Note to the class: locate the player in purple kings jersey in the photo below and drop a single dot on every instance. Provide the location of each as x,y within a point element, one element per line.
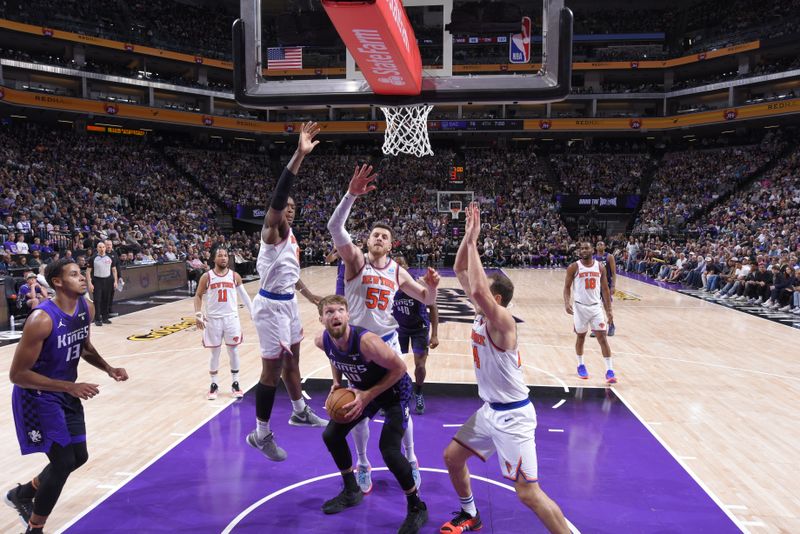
<point>378,379</point>
<point>46,399</point>
<point>332,256</point>
<point>609,263</point>
<point>414,325</point>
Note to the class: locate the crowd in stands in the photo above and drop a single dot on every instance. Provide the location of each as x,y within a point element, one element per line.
<point>687,182</point>
<point>747,247</point>
<point>600,174</point>
<point>61,193</point>
<point>206,28</point>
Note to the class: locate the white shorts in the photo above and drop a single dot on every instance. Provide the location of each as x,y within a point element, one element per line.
<point>511,433</point>
<point>217,329</point>
<point>394,344</point>
<point>277,324</point>
<point>589,317</point>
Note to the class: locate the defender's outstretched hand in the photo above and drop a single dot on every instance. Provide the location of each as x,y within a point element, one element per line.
<point>473,226</point>
<point>431,278</point>
<point>307,134</point>
<point>361,183</point>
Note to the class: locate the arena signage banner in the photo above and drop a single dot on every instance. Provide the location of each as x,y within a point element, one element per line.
<point>587,202</point>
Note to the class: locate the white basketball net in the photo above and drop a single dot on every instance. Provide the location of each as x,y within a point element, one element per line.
<point>407,130</point>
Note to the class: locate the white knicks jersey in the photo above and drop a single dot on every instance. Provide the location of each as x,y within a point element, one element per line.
<point>221,295</point>
<point>279,265</point>
<point>586,284</point>
<point>370,297</point>
<point>499,371</point>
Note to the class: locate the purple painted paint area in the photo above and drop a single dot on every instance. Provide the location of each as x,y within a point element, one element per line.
<point>606,471</point>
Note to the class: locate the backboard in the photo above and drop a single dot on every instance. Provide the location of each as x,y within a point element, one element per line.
<point>439,85</point>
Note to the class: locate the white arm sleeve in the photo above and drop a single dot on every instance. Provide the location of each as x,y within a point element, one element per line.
<point>339,217</point>
<point>245,299</point>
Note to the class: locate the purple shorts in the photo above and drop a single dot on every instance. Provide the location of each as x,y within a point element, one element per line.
<point>419,339</point>
<point>45,417</point>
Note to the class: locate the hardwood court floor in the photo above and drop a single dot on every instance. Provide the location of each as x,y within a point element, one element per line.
<point>717,386</point>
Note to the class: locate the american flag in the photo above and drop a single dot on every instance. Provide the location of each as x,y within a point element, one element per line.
<point>285,58</point>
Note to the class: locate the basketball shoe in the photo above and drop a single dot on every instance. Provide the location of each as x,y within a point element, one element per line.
<point>582,372</point>
<point>307,418</point>
<point>462,522</point>
<point>236,391</point>
<point>610,378</point>
<point>267,446</point>
<point>212,392</point>
<point>23,506</point>
<point>341,502</point>
<point>416,517</point>
<point>364,478</point>
<point>420,401</point>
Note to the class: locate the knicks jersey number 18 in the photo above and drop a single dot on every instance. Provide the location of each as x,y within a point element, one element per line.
<point>591,283</point>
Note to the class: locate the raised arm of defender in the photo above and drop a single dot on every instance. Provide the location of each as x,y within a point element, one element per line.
<point>360,184</point>
<point>276,226</point>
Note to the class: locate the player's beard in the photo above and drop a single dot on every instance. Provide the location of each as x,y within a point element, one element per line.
<point>336,332</point>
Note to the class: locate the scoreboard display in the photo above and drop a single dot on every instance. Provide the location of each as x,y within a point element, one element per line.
<point>456,177</point>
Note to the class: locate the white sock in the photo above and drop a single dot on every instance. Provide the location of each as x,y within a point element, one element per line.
<point>608,363</point>
<point>299,405</point>
<point>213,377</point>
<point>468,505</point>
<point>262,429</point>
<point>234,375</point>
<point>408,441</point>
<point>360,435</point>
<point>580,359</point>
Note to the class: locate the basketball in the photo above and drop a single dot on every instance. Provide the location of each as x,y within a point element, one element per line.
<point>336,400</point>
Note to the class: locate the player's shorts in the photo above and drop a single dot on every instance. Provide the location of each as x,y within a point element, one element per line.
<point>277,324</point>
<point>393,341</point>
<point>219,329</point>
<point>46,417</point>
<point>510,433</point>
<point>419,339</point>
<point>589,317</point>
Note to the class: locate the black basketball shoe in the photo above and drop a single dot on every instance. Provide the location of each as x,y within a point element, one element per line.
<point>341,502</point>
<point>24,507</point>
<point>416,517</point>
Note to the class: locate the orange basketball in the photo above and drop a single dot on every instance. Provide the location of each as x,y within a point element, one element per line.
<point>336,400</point>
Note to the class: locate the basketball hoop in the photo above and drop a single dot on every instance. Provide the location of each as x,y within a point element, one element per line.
<point>455,209</point>
<point>407,130</point>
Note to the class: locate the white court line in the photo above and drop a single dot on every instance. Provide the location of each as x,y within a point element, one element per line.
<point>451,426</point>
<point>312,373</point>
<point>247,511</point>
<point>379,421</point>
<point>559,404</point>
<point>681,462</point>
<point>303,380</point>
<point>555,430</point>
<point>116,488</point>
<point>557,379</point>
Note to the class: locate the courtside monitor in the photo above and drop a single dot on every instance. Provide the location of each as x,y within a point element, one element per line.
<point>383,61</point>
